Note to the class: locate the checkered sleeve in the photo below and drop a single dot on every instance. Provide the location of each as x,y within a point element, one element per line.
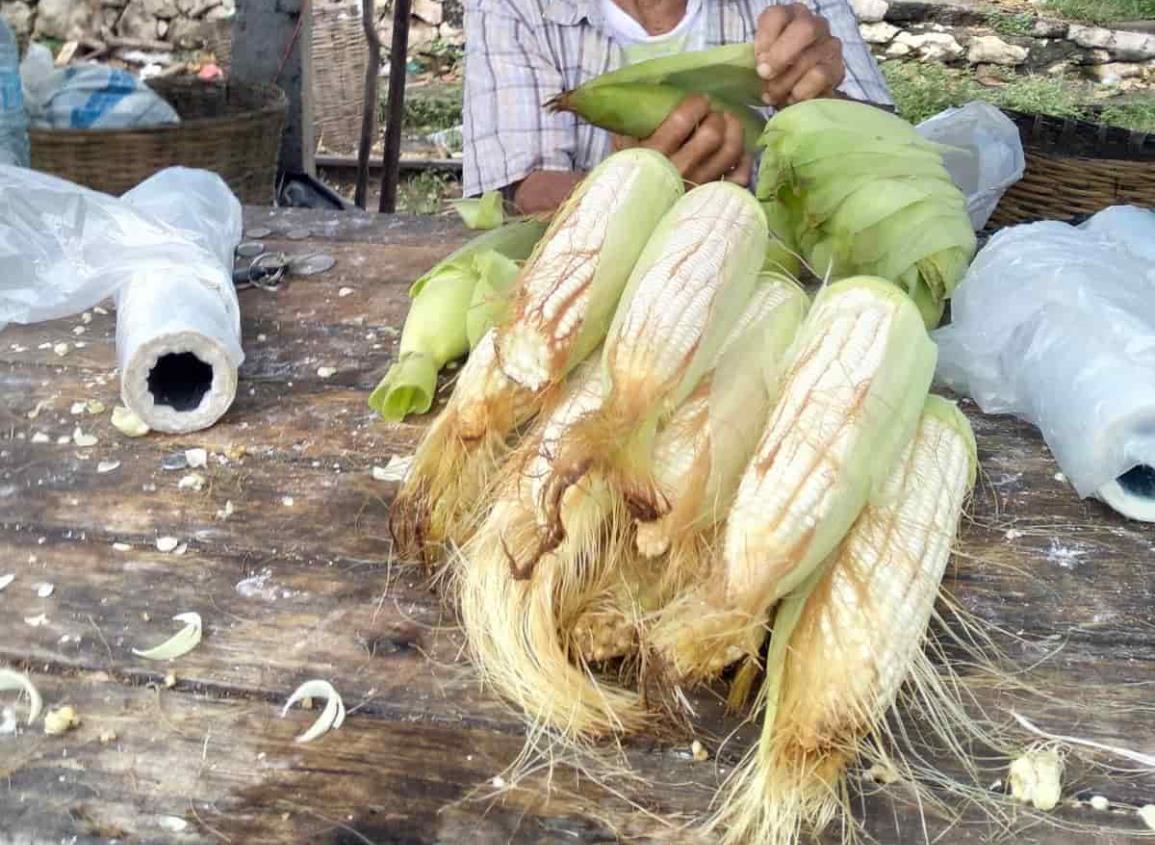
<point>509,74</point>
<point>864,79</point>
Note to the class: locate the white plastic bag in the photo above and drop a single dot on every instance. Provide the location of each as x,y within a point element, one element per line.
<point>165,251</point>
<point>1056,324</point>
<point>65,248</point>
<point>987,155</point>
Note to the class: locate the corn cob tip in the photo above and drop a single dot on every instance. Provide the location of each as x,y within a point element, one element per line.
<point>696,637</point>
<point>559,102</point>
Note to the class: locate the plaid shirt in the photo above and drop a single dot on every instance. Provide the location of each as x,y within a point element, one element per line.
<point>519,53</point>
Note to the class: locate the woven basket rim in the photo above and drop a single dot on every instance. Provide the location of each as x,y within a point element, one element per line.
<point>277,103</point>
<point>1078,138</point>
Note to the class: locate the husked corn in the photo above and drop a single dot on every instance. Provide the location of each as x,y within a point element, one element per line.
<point>849,404</point>
<point>570,285</point>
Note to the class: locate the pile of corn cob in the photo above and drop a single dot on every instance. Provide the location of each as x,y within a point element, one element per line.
<point>661,451</point>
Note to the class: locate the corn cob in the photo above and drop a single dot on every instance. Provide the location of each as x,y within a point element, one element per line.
<point>845,642</point>
<point>636,109</point>
<point>515,600</point>
<point>698,458</point>
<point>860,369</point>
<point>458,455</point>
<point>686,293</point>
<point>440,326</point>
<point>634,100</point>
<point>567,291</point>
<point>700,455</point>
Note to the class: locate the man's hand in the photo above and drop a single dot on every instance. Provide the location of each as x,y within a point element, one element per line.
<point>796,55</point>
<point>702,144</point>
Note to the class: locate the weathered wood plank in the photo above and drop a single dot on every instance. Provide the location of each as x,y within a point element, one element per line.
<point>328,227</point>
<point>1066,576</point>
<point>228,769</point>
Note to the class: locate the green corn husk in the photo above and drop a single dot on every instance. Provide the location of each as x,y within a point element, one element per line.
<point>864,194</point>
<point>636,109</point>
<point>635,99</point>
<point>782,253</point>
<point>496,274</point>
<point>441,325</point>
<point>485,212</point>
<point>727,72</point>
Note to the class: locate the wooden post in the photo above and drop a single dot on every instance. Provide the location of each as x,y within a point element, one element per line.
<point>369,111</point>
<point>398,58</point>
<point>272,43</point>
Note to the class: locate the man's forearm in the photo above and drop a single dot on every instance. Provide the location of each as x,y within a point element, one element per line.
<point>544,190</point>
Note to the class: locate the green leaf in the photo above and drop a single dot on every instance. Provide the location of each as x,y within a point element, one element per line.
<point>483,213</point>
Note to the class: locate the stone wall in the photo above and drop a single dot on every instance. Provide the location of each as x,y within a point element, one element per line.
<point>979,36</point>
<point>953,32</point>
<point>187,24</point>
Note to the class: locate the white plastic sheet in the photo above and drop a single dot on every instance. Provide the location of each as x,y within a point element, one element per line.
<point>986,156</point>
<point>164,251</point>
<point>1056,324</point>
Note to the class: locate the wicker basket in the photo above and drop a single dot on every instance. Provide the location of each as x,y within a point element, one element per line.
<point>1077,167</point>
<point>340,59</point>
<point>233,130</point>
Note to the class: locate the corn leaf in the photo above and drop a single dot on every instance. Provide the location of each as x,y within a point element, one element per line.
<point>483,213</point>
<point>10,679</point>
<point>331,718</point>
<point>180,643</point>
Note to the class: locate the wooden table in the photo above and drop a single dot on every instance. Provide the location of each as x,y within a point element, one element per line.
<point>297,583</point>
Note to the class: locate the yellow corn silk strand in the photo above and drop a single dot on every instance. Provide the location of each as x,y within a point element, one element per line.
<point>515,599</point>
<point>457,457</point>
<point>858,374</point>
<point>699,457</point>
<point>570,286</point>
<point>686,293</point>
<point>845,642</point>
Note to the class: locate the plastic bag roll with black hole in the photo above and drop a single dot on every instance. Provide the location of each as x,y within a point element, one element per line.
<point>1056,324</point>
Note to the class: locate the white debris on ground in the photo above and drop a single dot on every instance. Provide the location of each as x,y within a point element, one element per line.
<point>261,586</point>
<point>1036,777</point>
<point>397,469</point>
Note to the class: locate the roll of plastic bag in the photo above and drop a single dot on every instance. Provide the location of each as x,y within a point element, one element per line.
<point>986,156</point>
<point>178,334</point>
<point>164,251</point>
<point>1056,324</point>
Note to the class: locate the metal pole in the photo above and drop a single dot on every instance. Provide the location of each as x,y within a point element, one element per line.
<point>396,107</point>
<point>369,110</point>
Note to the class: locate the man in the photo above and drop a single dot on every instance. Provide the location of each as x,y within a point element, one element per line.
<point>519,53</point>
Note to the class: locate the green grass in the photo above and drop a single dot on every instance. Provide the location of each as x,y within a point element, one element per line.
<point>1004,23</point>
<point>1103,11</point>
<point>922,90</point>
<point>425,193</point>
<point>1139,116</point>
<point>1041,95</point>
<point>431,109</point>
